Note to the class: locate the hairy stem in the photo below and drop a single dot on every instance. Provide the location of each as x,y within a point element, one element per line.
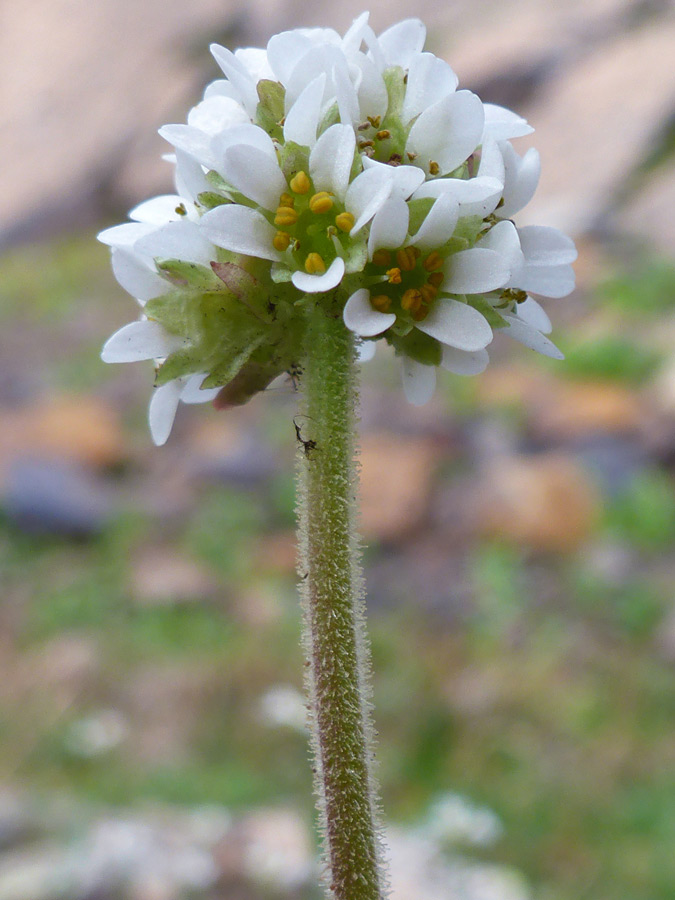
<point>332,589</point>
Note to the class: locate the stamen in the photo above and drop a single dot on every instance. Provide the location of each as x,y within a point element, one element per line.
<point>285,215</point>
<point>428,292</point>
<point>394,276</point>
<point>395,159</point>
<point>406,259</point>
<point>300,183</point>
<point>374,120</point>
<point>321,202</point>
<point>180,209</point>
<point>411,300</point>
<point>412,156</point>
<point>381,302</point>
<point>314,264</point>
<point>363,144</point>
<point>434,168</point>
<point>433,261</point>
<point>344,221</point>
<point>383,135</point>
<point>381,257</point>
<point>282,241</point>
<point>419,314</point>
<point>286,200</point>
<point>436,279</point>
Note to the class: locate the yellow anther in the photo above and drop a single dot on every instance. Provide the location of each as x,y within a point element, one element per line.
<point>344,221</point>
<point>321,202</point>
<point>381,257</point>
<point>433,261</point>
<point>406,259</point>
<point>412,156</point>
<point>285,215</point>
<point>394,276</point>
<point>419,314</point>
<point>300,183</point>
<point>436,279</point>
<point>428,292</point>
<point>381,302</point>
<point>383,135</point>
<point>281,241</point>
<point>374,120</point>
<point>363,144</point>
<point>314,264</point>
<point>434,168</point>
<point>411,300</point>
<point>286,200</point>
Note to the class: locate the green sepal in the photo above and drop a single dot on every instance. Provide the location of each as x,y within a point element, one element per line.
<point>419,210</point>
<point>232,355</point>
<point>356,256</point>
<point>455,245</point>
<point>188,274</point>
<point>479,303</point>
<point>330,117</point>
<point>293,159</point>
<point>394,80</point>
<point>270,109</point>
<point>217,182</point>
<point>469,228</point>
<point>420,347</point>
<point>280,274</point>
<point>210,199</point>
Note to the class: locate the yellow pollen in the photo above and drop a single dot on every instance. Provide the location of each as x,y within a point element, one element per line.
<point>434,168</point>
<point>406,259</point>
<point>383,135</point>
<point>381,302</point>
<point>381,257</point>
<point>300,183</point>
<point>344,221</point>
<point>436,279</point>
<point>394,276</point>
<point>281,241</point>
<point>374,120</point>
<point>411,300</point>
<point>433,261</point>
<point>314,265</point>
<point>419,314</point>
<point>286,200</point>
<point>428,292</point>
<point>285,215</point>
<point>363,144</point>
<point>321,202</point>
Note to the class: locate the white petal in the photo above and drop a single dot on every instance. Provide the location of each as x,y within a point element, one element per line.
<point>303,117</point>
<point>545,246</point>
<point>162,410</point>
<point>238,76</point>
<point>457,325</point>
<point>353,36</point>
<point>125,235</point>
<point>367,193</point>
<point>244,135</point>
<point>532,313</point>
<point>521,179</point>
<point>526,334</point>
<point>402,41</point>
<point>503,124</point>
<point>365,351</point>
<point>475,271</point>
<point>346,94</point>
<point>283,52</point>
<point>137,278</point>
<point>406,180</point>
<point>439,224</point>
<point>419,381</point>
<point>503,239</point>
<point>192,392</point>
<point>177,240</point>
<point>189,179</point>
<point>330,161</point>
<point>221,87</point>
<point>448,132</point>
<point>476,196</point>
<point>254,60</point>
<point>217,113</point>
<point>430,79</point>
<point>371,89</point>
<point>316,284</point>
<point>360,317</point>
<point>157,211</point>
<point>491,160</point>
<point>241,230</point>
<point>253,173</point>
<point>389,227</point>
<point>462,363</point>
<point>549,281</point>
<point>138,341</point>
<point>192,141</point>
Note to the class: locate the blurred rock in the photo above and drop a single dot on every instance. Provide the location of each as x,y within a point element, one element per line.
<point>52,497</point>
<point>397,475</point>
<point>223,449</point>
<point>582,407</point>
<point>74,428</point>
<point>278,851</point>
<point>613,459</point>
<point>546,502</point>
<point>163,576</point>
<point>277,552</point>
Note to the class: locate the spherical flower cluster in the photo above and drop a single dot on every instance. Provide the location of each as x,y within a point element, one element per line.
<point>344,171</point>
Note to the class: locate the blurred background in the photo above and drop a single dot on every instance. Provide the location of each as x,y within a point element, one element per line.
<point>520,528</point>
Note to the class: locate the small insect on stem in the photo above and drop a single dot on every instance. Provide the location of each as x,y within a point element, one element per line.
<point>307,446</point>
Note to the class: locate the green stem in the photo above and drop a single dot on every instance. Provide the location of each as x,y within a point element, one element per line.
<point>338,663</point>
